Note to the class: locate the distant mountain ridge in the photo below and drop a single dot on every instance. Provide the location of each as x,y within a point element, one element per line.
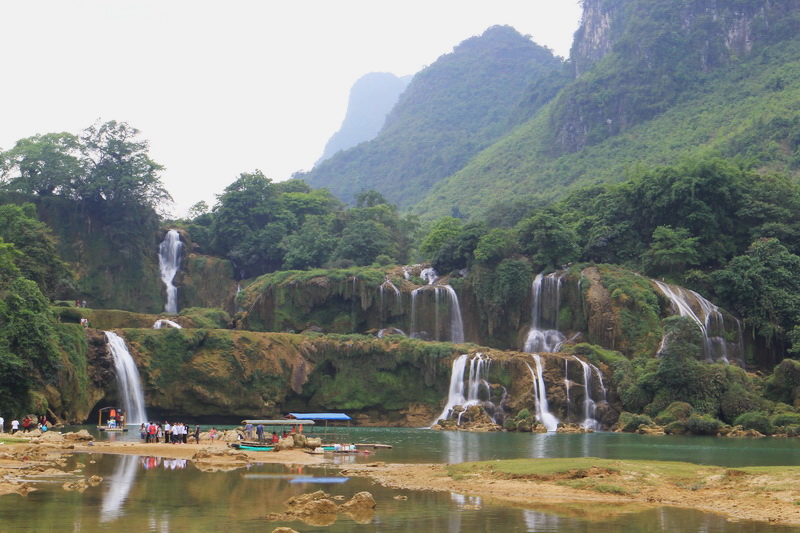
<point>371,98</point>
<point>646,84</point>
<point>451,110</point>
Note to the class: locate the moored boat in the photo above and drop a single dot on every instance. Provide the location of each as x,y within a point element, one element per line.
<point>114,419</point>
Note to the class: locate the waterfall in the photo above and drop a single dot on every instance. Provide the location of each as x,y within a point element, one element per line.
<point>382,291</point>
<point>710,320</point>
<point>475,383</point>
<point>442,293</point>
<point>545,304</point>
<point>543,414</point>
<point>589,405</point>
<point>162,322</point>
<point>567,382</point>
<point>128,382</point>
<point>429,275</point>
<point>169,261</point>
<point>456,323</point>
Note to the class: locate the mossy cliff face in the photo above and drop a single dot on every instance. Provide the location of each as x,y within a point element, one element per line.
<point>605,305</point>
<point>114,269</point>
<point>510,376</point>
<point>105,319</point>
<point>228,375</point>
<point>84,376</point>
<point>206,281</point>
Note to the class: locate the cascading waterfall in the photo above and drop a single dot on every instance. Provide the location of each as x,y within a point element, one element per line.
<point>543,414</point>
<point>128,382</point>
<point>382,291</point>
<point>163,322</point>
<point>567,383</point>
<point>169,261</point>
<point>475,383</point>
<point>456,323</point>
<point>444,297</point>
<point>589,405</point>
<point>710,321</point>
<point>429,275</point>
<point>543,335</point>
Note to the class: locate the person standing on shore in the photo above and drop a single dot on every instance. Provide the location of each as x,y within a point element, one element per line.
<point>197,434</point>
<point>2,425</point>
<point>14,426</point>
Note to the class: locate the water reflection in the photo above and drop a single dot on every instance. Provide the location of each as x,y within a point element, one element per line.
<point>118,486</point>
<point>153,497</point>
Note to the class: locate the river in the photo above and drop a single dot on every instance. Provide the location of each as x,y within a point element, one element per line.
<point>149,494</point>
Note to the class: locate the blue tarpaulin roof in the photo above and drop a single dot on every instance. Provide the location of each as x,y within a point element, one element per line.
<point>320,416</point>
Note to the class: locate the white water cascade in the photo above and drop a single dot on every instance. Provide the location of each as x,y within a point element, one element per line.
<point>128,382</point>
<point>385,287</point>
<point>543,335</point>
<point>169,261</point>
<point>589,405</point>
<point>709,319</point>
<point>567,383</point>
<point>466,396</point>
<point>164,323</point>
<point>543,414</point>
<point>445,297</point>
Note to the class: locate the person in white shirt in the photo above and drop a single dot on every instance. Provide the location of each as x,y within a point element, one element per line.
<point>2,425</point>
<point>14,426</point>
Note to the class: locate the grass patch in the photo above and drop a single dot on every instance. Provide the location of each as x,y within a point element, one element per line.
<point>622,477</point>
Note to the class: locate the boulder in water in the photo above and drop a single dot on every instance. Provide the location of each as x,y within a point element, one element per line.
<point>81,435</point>
<point>362,500</point>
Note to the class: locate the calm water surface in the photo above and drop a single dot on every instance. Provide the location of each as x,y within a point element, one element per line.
<point>149,494</point>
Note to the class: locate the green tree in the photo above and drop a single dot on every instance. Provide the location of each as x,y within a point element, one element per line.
<point>44,165</point>
<point>549,241</point>
<point>763,287</point>
<point>671,251</point>
<point>119,171</point>
<point>249,226</point>
<point>362,241</point>
<point>496,245</point>
<point>442,231</point>
<point>36,251</point>
<point>458,252</point>
<point>311,246</point>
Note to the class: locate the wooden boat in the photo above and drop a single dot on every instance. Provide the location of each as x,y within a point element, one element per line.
<point>114,419</point>
<point>253,446</point>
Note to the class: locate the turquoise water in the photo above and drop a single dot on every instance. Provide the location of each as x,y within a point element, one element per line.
<point>149,494</point>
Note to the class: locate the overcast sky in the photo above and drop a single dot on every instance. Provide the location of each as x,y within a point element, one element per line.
<point>220,88</point>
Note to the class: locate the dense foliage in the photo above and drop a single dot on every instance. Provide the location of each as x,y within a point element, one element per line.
<point>28,343</point>
<point>263,226</point>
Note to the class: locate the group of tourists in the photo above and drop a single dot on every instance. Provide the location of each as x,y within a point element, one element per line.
<point>28,424</point>
<point>177,433</point>
<point>249,430</point>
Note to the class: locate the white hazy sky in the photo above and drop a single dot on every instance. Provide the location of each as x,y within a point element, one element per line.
<point>220,88</point>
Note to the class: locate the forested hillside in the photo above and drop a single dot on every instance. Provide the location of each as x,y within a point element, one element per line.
<point>656,83</point>
<point>664,152</point>
<point>452,109</point>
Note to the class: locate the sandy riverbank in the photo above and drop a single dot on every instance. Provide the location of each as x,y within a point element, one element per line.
<point>763,494</point>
